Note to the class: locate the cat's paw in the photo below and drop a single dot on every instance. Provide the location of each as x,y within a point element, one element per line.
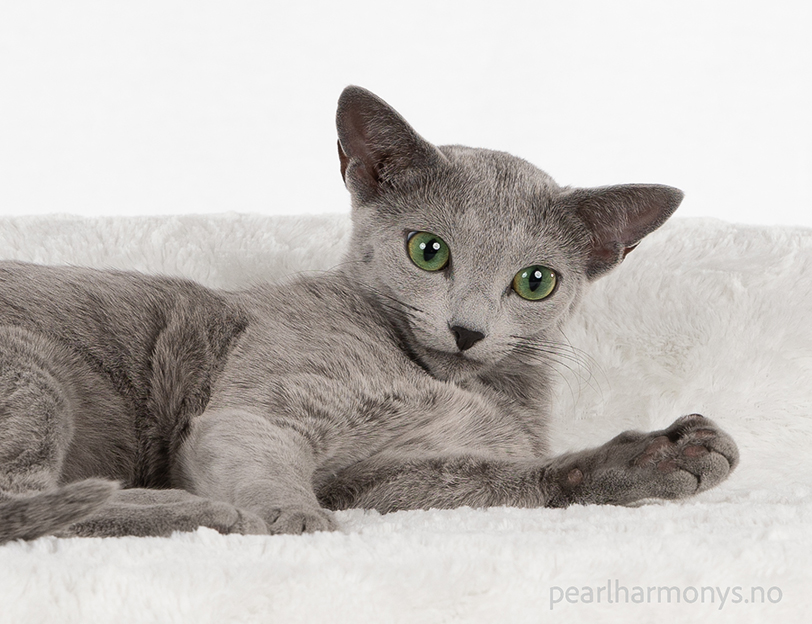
<point>695,445</point>
<point>247,523</point>
<point>690,456</point>
<point>295,520</point>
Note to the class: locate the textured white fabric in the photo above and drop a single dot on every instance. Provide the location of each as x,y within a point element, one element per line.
<point>703,317</point>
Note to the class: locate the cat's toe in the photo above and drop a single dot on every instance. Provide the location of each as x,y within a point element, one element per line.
<point>249,524</point>
<point>298,520</point>
<point>695,434</point>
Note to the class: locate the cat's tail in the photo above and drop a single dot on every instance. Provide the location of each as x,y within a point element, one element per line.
<point>44,513</point>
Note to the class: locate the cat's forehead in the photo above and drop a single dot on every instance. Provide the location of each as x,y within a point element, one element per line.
<point>496,189</point>
<point>483,193</point>
<point>498,168</point>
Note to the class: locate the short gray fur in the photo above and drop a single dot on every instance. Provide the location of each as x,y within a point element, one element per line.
<point>260,411</point>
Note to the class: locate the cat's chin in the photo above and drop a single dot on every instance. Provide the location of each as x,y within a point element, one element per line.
<point>453,367</point>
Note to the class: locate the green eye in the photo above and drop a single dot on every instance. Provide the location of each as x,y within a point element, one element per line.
<point>535,282</point>
<point>428,251</point>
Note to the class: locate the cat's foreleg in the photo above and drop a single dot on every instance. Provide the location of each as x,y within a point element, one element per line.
<point>389,482</point>
<point>690,456</point>
<point>243,459</point>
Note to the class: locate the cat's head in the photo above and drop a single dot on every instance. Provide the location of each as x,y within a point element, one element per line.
<point>479,255</point>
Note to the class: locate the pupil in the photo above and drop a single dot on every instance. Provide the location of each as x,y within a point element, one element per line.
<point>534,281</point>
<point>430,250</point>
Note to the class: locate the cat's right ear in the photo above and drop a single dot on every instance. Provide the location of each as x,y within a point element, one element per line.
<point>376,146</point>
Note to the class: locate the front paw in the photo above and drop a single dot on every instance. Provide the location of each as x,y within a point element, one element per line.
<point>690,456</point>
<point>295,520</point>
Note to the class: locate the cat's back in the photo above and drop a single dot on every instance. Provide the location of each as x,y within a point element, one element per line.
<point>107,314</point>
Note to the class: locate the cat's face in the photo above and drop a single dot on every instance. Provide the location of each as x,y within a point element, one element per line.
<point>452,251</point>
<point>479,255</point>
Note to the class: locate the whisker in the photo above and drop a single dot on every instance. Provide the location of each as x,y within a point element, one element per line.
<point>561,354</point>
<point>548,358</point>
<point>307,272</point>
<point>552,350</point>
<point>401,304</point>
<point>581,352</point>
<point>595,365</point>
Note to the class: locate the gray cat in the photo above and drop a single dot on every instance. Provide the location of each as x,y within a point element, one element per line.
<point>414,375</point>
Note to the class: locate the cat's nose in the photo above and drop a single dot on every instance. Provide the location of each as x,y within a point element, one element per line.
<point>466,338</point>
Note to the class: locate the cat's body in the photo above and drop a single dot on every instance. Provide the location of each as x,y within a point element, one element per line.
<point>389,382</point>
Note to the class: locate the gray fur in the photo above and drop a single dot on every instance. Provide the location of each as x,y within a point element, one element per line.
<point>262,410</point>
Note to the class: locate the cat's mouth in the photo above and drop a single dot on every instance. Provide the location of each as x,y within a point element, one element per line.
<point>450,365</point>
<point>443,361</point>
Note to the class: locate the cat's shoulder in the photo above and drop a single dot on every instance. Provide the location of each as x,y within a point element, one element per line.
<point>112,297</point>
<point>324,294</point>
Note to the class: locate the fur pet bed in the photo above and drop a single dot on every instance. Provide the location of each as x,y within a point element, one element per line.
<point>703,317</point>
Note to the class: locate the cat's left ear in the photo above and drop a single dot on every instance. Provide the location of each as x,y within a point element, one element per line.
<point>618,217</point>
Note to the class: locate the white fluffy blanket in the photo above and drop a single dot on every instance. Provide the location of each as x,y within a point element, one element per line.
<point>704,317</point>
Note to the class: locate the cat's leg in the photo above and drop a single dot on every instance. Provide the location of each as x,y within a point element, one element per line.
<point>391,482</point>
<point>690,456</point>
<point>37,422</point>
<point>159,513</point>
<point>35,432</point>
<point>241,458</point>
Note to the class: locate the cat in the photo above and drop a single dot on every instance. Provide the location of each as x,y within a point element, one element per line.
<point>414,375</point>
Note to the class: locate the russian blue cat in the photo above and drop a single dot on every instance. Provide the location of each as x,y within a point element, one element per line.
<point>416,374</point>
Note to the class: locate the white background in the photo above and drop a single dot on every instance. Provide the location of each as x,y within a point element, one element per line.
<point>189,107</point>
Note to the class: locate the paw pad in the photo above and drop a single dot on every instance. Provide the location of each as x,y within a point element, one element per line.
<point>669,465</point>
<point>655,448</point>
<point>694,451</point>
<point>574,477</point>
<point>661,450</point>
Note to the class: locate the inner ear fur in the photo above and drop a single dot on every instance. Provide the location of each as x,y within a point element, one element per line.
<point>619,217</point>
<point>375,144</point>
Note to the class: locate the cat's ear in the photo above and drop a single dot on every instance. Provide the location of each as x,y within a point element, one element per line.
<point>618,217</point>
<point>376,146</point>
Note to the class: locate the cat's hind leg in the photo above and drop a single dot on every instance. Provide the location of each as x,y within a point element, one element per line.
<point>159,513</point>
<point>39,399</point>
<point>35,432</point>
